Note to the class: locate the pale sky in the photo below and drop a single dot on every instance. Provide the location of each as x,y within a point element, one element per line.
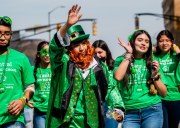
<point>114,18</point>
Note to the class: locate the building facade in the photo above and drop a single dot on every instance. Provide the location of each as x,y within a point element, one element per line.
<point>172,8</point>
<point>28,47</point>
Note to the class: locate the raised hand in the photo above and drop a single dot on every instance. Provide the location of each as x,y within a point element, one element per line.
<point>155,69</point>
<point>127,47</point>
<point>176,48</point>
<point>73,16</point>
<point>155,65</point>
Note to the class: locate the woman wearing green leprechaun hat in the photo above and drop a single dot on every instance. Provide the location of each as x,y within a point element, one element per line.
<point>168,55</point>
<point>79,84</point>
<point>137,73</point>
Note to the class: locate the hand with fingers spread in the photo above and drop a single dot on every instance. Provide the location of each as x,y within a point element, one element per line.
<point>73,16</point>
<point>15,107</point>
<point>127,47</point>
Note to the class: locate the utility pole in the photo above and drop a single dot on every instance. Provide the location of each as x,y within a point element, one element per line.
<point>49,19</point>
<point>136,21</point>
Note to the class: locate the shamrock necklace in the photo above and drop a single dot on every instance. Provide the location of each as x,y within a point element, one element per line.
<point>164,63</point>
<point>44,83</point>
<point>2,87</point>
<point>137,75</point>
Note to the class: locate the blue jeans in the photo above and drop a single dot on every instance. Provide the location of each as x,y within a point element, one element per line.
<point>109,122</point>
<point>39,120</point>
<point>171,113</point>
<point>28,116</point>
<point>149,117</point>
<point>13,125</point>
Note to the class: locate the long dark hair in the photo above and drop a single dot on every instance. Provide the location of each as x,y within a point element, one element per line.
<point>161,33</point>
<point>147,56</point>
<point>37,58</point>
<point>103,45</point>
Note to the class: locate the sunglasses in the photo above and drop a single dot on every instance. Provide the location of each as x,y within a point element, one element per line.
<point>6,19</point>
<point>44,52</point>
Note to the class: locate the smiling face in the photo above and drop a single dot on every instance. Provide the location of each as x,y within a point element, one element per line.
<point>141,44</point>
<point>81,53</point>
<point>80,48</point>
<point>44,54</point>
<point>164,44</point>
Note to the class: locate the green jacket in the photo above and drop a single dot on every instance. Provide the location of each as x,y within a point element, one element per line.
<point>62,80</point>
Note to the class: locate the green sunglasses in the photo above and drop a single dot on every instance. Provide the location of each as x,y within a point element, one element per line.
<point>44,52</point>
<point>6,19</point>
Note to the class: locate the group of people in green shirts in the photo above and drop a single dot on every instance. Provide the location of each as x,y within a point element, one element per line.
<point>139,70</point>
<point>74,84</point>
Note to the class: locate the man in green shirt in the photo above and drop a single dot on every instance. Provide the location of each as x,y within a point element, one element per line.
<point>16,79</point>
<point>78,85</point>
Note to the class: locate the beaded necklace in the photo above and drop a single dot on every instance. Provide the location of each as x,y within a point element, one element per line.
<point>137,73</point>
<point>45,83</point>
<point>2,87</point>
<point>163,63</point>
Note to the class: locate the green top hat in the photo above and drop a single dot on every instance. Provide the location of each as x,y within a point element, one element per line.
<point>76,34</point>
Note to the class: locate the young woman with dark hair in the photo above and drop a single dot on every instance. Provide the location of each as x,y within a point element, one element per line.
<point>168,57</point>
<point>134,70</point>
<point>104,54</point>
<point>42,74</point>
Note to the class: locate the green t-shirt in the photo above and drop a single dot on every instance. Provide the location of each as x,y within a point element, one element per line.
<point>178,74</point>
<point>42,89</point>
<point>169,65</point>
<point>137,96</point>
<point>17,75</point>
<point>113,92</point>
